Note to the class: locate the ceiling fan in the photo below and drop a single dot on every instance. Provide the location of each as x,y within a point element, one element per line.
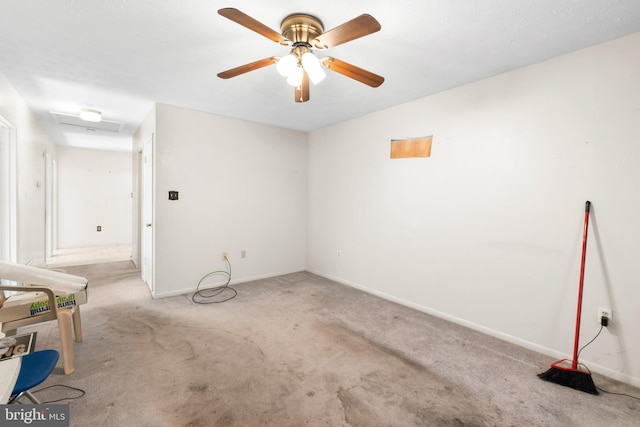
<point>304,33</point>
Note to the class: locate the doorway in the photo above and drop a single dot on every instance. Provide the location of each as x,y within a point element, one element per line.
<point>8,193</point>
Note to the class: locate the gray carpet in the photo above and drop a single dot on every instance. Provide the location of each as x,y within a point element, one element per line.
<point>300,350</point>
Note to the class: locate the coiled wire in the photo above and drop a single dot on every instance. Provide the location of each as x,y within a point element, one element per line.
<point>213,295</point>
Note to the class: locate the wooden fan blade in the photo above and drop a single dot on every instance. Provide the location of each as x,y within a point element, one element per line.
<point>356,73</point>
<point>246,21</point>
<point>302,91</point>
<point>358,27</point>
<point>247,67</point>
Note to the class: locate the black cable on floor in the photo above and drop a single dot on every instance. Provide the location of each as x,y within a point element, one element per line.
<point>206,296</point>
<point>618,394</point>
<point>82,393</point>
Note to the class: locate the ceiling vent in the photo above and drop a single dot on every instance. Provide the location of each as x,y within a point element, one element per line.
<point>71,120</point>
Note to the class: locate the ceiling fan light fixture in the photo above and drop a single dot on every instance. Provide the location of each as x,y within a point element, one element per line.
<point>287,65</point>
<point>90,115</point>
<point>312,66</point>
<point>303,33</point>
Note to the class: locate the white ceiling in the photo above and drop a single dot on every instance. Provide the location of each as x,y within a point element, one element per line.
<point>122,56</point>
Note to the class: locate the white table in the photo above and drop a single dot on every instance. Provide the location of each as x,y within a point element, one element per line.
<point>9,370</point>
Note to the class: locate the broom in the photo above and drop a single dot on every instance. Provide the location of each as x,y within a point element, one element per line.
<point>567,372</point>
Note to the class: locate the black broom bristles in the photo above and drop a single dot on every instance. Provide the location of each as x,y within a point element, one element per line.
<point>574,378</point>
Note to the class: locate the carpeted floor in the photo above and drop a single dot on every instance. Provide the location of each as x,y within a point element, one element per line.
<point>300,350</point>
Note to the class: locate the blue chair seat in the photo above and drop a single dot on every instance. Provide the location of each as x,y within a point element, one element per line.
<point>35,368</point>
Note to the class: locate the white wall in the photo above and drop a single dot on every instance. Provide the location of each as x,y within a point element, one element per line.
<point>94,188</point>
<point>242,186</point>
<point>488,231</point>
<point>32,142</point>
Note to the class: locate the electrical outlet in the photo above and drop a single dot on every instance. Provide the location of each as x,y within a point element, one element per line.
<point>243,253</point>
<point>605,312</point>
<point>224,256</point>
<point>339,254</point>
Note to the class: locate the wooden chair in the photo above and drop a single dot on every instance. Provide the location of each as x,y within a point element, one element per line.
<point>43,295</point>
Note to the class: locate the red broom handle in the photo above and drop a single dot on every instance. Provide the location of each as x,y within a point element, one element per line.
<point>587,208</point>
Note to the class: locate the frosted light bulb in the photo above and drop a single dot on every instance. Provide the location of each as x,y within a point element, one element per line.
<point>286,65</point>
<point>312,66</point>
<point>295,78</point>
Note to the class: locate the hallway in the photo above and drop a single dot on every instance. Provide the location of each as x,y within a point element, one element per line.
<point>89,255</point>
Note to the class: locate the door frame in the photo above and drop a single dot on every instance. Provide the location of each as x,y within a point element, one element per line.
<point>49,191</point>
<point>147,215</point>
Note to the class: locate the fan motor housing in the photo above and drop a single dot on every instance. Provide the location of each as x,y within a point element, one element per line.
<point>301,28</point>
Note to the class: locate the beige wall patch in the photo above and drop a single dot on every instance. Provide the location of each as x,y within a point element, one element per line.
<point>412,147</point>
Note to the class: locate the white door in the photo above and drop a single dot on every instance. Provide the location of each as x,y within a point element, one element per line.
<point>147,214</point>
<point>8,194</point>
